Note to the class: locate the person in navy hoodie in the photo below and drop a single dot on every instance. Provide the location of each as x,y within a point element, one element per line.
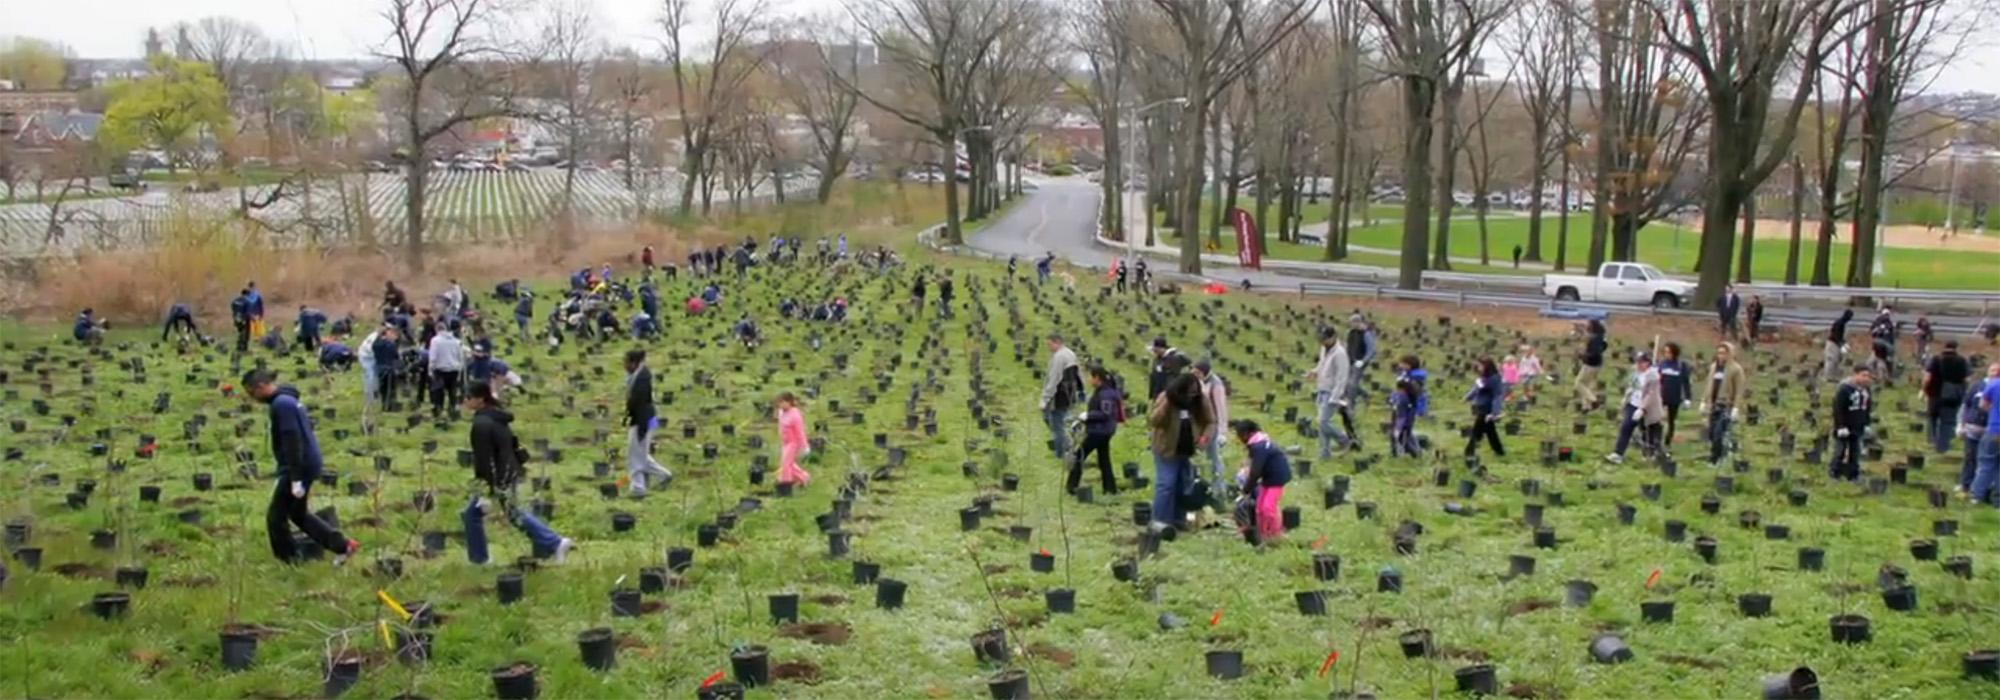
<point>1264,480</point>
<point>1101,417</point>
<point>297,454</point>
<point>1488,396</point>
<point>1676,390</point>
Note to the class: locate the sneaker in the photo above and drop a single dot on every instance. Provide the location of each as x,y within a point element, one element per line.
<point>1615,458</point>
<point>353,548</point>
<point>562,550</point>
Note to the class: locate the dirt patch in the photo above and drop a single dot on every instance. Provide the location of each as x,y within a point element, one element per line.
<point>185,501</point>
<point>823,633</point>
<point>153,660</point>
<point>1375,623</point>
<point>1014,592</point>
<point>1472,655</point>
<point>1062,658</point>
<point>1953,608</point>
<point>1530,690</point>
<point>1895,236</point>
<point>77,569</point>
<point>1691,662</point>
<point>651,606</point>
<point>998,569</point>
<point>1034,619</point>
<point>800,672</point>
<point>829,599</point>
<point>197,581</point>
<point>1530,605</point>
<point>161,548</point>
<point>368,521</point>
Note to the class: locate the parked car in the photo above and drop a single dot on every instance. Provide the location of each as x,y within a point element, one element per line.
<point>1620,283</point>
<point>126,180</point>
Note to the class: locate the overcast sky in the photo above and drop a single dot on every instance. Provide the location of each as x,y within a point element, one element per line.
<point>350,28</point>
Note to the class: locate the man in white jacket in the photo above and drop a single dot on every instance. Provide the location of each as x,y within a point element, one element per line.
<point>370,393</point>
<point>447,360</point>
<point>1216,393</point>
<point>1331,391</point>
<point>1060,392</point>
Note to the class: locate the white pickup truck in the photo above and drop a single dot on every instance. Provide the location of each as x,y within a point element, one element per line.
<point>1620,283</point>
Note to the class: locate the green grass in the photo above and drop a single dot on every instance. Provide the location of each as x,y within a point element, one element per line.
<point>1673,248</point>
<point>1112,647</point>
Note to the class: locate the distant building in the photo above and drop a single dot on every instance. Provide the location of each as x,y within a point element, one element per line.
<point>44,130</point>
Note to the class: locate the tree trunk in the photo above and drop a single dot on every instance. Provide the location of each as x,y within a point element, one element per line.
<point>1215,184</point>
<point>1798,222</point>
<point>1447,176</point>
<point>1562,218</point>
<point>1749,242</point>
<point>692,173</point>
<point>1263,205</point>
<point>1485,255</point>
<point>1537,180</point>
<point>415,183</point>
<point>1418,104</point>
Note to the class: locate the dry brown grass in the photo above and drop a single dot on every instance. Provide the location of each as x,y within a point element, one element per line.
<point>203,261</point>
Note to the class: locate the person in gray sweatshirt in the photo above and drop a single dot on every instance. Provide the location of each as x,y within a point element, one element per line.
<point>447,364</point>
<point>1331,392</point>
<point>1061,391</point>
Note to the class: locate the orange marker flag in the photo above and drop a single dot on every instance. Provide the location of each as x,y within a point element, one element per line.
<point>1330,658</point>
<point>1215,619</point>
<point>1652,579</point>
<point>1318,543</point>
<point>712,679</point>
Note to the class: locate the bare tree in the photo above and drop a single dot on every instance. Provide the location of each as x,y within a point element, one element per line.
<point>932,51</point>
<point>1008,93</point>
<point>1739,51</point>
<point>574,51</point>
<point>1427,43</point>
<point>1539,46</point>
<point>1346,31</point>
<point>229,45</point>
<point>710,74</point>
<point>451,71</point>
<point>1098,30</point>
<point>630,82</point>
<point>1218,42</point>
<point>807,83</point>
<point>1646,128</point>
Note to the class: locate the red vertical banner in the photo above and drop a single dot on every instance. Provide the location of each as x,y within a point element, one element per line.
<point>1247,252</point>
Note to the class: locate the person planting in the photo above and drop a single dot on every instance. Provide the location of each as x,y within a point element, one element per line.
<point>447,365</point>
<point>1101,417</point>
<point>179,317</point>
<point>642,421</point>
<point>1727,385</point>
<point>1488,398</point>
<point>792,440</point>
<point>1180,424</point>
<point>1836,344</point>
<point>296,451</point>
<point>497,464</point>
<point>239,313</point>
<point>1853,407</point>
<point>1264,479</point>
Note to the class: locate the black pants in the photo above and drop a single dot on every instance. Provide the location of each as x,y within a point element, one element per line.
<point>1484,426</point>
<point>1101,444</point>
<point>186,322</point>
<point>1847,456</point>
<point>445,389</point>
<point>386,380</point>
<point>285,512</point>
<point>1673,416</point>
<point>243,336</point>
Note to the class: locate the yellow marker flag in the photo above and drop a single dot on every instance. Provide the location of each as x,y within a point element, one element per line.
<point>387,642</point>
<point>393,605</point>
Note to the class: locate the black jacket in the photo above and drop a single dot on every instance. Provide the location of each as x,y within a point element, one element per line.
<point>1101,417</point>
<point>1852,406</point>
<point>1165,368</point>
<point>1838,333</point>
<point>639,399</point>
<point>495,450</point>
<point>1949,373</point>
<point>292,442</point>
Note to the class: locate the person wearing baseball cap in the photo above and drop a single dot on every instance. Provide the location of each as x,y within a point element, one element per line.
<point>1167,362</point>
<point>1643,407</point>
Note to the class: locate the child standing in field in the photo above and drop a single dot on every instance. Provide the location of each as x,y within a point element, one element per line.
<point>792,437</point>
<point>1510,375</point>
<point>1531,369</point>
<point>1407,403</point>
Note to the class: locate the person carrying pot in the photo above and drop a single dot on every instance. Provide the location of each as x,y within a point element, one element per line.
<point>1728,384</point>
<point>1263,480</point>
<point>498,463</point>
<point>296,451</point>
<point>1643,408</point>
<point>1101,416</point>
<point>1180,426</point>
<point>1853,413</point>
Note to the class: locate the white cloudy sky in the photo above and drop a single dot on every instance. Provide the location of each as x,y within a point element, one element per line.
<point>349,28</point>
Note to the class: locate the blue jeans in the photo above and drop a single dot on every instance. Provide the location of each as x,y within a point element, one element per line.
<point>1971,466</point>
<point>1989,467</point>
<point>538,532</point>
<point>1058,422</point>
<point>1942,427</point>
<point>1718,434</point>
<point>1329,434</point>
<point>1167,477</point>
<point>1215,462</point>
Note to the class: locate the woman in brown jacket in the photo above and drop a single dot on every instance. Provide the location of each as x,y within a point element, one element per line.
<point>1181,425</point>
<point>1727,386</point>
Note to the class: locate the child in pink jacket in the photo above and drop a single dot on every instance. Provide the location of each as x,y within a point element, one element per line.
<point>792,437</point>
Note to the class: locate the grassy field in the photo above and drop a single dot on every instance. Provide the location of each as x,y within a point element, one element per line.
<point>868,382</point>
<point>1672,248</point>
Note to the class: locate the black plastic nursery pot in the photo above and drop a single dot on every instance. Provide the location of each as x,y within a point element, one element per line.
<point>623,522</point>
<point>1960,566</point>
<point>132,577</point>
<point>680,559</point>
<point>204,481</point>
<point>1545,537</point>
<point>1225,664</point>
<point>625,602</point>
<point>599,648</point>
<point>707,534</point>
<point>1711,505</point>
<point>1011,684</point>
<point>413,647</point>
<point>1415,643</point>
<point>968,518</point>
<point>509,586</point>
<point>1982,664</point>
<point>1753,604</point>
<point>1520,565</point>
<point>1060,600</point>
<point>1849,629</point>
<point>1311,603</point>
<point>239,648</point>
<point>838,542</point>
<point>889,593</point>
<point>1676,530</point>
<point>1924,550</point>
<point>341,676</point>
<point>784,607</point>
<point>1900,598</point>
<point>1364,510</point>
<point>1944,528</point>
<point>1041,562</point>
<point>1657,611</point>
<point>1478,679</point>
<point>1705,547</point>
<point>1627,513</point>
<point>1609,649</point>
<point>866,572</point>
<point>1801,684</point>
<point>1577,593</point>
<point>990,647</point>
<point>111,605</point>
<point>1125,570</point>
<point>751,666</point>
<point>149,494</point>
<point>1777,532</point>
<point>103,539</point>
<point>1812,559</point>
<point>515,681</point>
<point>1291,516</point>
<point>1326,567</point>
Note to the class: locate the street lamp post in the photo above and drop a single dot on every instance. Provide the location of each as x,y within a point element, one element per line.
<point>1125,174</point>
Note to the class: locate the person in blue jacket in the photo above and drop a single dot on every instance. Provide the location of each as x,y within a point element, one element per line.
<point>88,330</point>
<point>310,321</point>
<point>649,299</point>
<point>1407,403</point>
<point>181,317</point>
<point>296,451</point>
<point>1101,416</point>
<point>239,313</point>
<point>335,356</point>
<point>388,366</point>
<point>1488,398</point>
<point>524,311</point>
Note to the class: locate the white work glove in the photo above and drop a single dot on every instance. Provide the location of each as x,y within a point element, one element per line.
<point>1045,404</point>
<point>1842,433</point>
<point>1358,365</point>
<point>1704,407</point>
<point>1638,414</point>
<point>1735,414</point>
<point>298,489</point>
<point>1687,402</point>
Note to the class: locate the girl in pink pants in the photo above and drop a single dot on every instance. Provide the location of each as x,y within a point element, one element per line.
<point>1264,478</point>
<point>792,437</point>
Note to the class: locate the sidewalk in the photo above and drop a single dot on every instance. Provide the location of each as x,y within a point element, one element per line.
<point>1137,225</point>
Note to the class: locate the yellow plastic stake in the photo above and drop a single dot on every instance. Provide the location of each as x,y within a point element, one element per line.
<point>383,627</point>
<point>393,605</point>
